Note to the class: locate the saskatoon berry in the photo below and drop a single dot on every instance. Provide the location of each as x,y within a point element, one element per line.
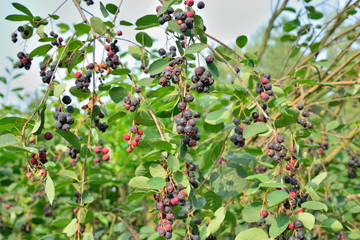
<point>305,113</point>
<point>209,59</point>
<point>201,5</point>
<point>196,114</point>
<point>267,75</point>
<point>236,121</point>
<point>298,224</point>
<point>300,106</point>
<point>66,99</point>
<point>48,136</point>
<point>70,109</point>
<point>280,138</point>
<point>247,120</point>
<point>162,52</point>
<point>181,106</point>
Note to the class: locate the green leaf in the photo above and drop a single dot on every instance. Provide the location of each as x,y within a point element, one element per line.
<point>116,116</point>
<point>307,219</point>
<point>117,94</point>
<point>82,29</point>
<point>68,174</point>
<point>165,7</point>
<point>98,25</point>
<point>157,170</point>
<point>254,150</point>
<point>252,234</point>
<point>279,225</point>
<point>18,18</point>
<point>112,8</point>
<point>50,189</point>
<point>87,197</point>
<point>215,223</point>
<point>125,23</point>
<point>60,222</point>
<point>22,8</point>
<point>160,144</point>
<point>254,129</point>
<point>314,205</point>
<point>241,41</point>
<point>315,15</point>
<point>173,163</point>
<point>332,224</point>
<point>39,125</point>
<point>78,93</point>
<point>272,185</point>
<point>121,71</point>
<point>158,66</point>
<point>211,155</point>
<point>144,118</point>
<point>217,117</point>
<point>103,10</point>
<point>137,52</point>
<point>195,47</point>
<point>63,27</point>
<point>41,50</point>
<point>147,21</point>
<point>291,25</point>
<point>251,213</point>
<point>8,140</point>
<point>276,197</point>
<point>139,182</point>
<point>316,181</point>
<point>70,137</point>
<point>59,89</point>
<point>213,69</point>
<point>71,228</point>
<point>144,39</point>
<point>156,183</point>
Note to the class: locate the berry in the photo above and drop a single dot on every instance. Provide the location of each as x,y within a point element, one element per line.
<point>106,157</point>
<point>292,194</point>
<point>105,150</point>
<point>129,150</point>
<point>264,80</point>
<point>201,5</point>
<point>291,226</point>
<point>97,149</point>
<point>298,224</point>
<point>300,210</point>
<point>119,33</point>
<point>264,213</point>
<point>140,132</point>
<point>126,136</point>
<point>48,136</point>
<point>267,75</point>
<point>97,160</point>
<point>300,106</point>
<point>190,3</point>
<point>209,59</point>
<point>66,99</point>
<point>181,106</point>
<point>28,174</point>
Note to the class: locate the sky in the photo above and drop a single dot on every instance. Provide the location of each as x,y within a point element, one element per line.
<point>225,20</point>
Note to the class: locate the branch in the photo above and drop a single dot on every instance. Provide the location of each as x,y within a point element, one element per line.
<point>223,44</point>
<point>268,30</point>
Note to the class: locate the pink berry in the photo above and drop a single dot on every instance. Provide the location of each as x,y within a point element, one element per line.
<point>137,138</point>
<point>288,167</point>
<point>97,149</point>
<point>264,213</point>
<point>8,206</point>
<point>119,33</point>
<point>129,150</point>
<point>75,210</point>
<point>97,160</point>
<point>78,74</point>
<point>291,226</point>
<point>190,14</point>
<point>243,128</point>
<point>169,68</point>
<point>292,194</point>
<point>190,3</point>
<point>140,132</point>
<point>105,150</point>
<point>174,201</point>
<point>127,106</point>
<point>72,161</point>
<point>107,47</point>
<point>106,157</point>
<point>126,136</point>
<point>158,8</point>
<point>135,143</point>
<point>168,227</point>
<point>264,80</point>
<point>42,172</point>
<point>28,174</point>
<point>110,54</point>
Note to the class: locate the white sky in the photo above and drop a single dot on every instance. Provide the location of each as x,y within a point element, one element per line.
<point>225,20</point>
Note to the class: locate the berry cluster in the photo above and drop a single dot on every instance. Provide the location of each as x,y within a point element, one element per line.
<point>112,59</point>
<point>172,52</point>
<point>191,168</point>
<point>170,196</point>
<point>202,80</point>
<point>341,235</point>
<point>353,164</point>
<point>260,169</point>
<point>72,152</point>
<point>278,151</point>
<point>89,2</point>
<point>133,138</point>
<point>14,37</point>
<point>298,234</point>
<point>171,73</point>
<point>165,17</point>
<point>257,118</point>
<point>26,227</point>
<point>64,120</point>
<point>40,158</point>
<point>82,82</point>
<point>46,75</point>
<point>185,19</point>
<point>321,146</point>
<point>238,138</point>
<point>263,88</point>
<point>47,210</point>
<point>305,114</point>
<point>131,104</point>
<point>101,126</point>
<point>186,125</point>
<point>104,154</point>
<point>25,60</point>
<point>58,40</point>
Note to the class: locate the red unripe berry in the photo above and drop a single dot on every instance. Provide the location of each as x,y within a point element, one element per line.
<point>119,33</point>
<point>168,227</point>
<point>110,54</point>
<point>24,60</point>
<point>288,167</point>
<point>140,132</point>
<point>292,194</point>
<point>75,210</point>
<point>291,226</point>
<point>107,47</point>
<point>129,150</point>
<point>42,172</point>
<point>243,128</point>
<point>78,74</point>
<point>264,213</point>
<point>182,192</point>
<point>134,143</point>
<point>169,68</point>
<point>106,157</point>
<point>129,142</point>
<point>8,206</point>
<point>190,14</point>
<point>158,8</point>
<point>159,215</point>
<point>264,80</point>
<point>137,138</point>
<point>97,160</point>
<point>28,174</point>
<point>97,149</point>
<point>174,201</point>
<point>72,161</point>
<point>33,161</point>
<point>127,106</point>
<point>160,228</point>
<point>190,3</point>
<point>105,150</point>
<point>300,210</point>
<point>126,136</point>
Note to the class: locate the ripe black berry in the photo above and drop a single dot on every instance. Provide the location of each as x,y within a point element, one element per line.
<point>66,99</point>
<point>201,5</point>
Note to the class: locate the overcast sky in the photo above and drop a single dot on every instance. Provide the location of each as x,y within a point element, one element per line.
<point>225,19</point>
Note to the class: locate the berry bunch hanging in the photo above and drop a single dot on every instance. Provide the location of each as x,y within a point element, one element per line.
<point>25,60</point>
<point>263,88</point>
<point>131,104</point>
<point>101,152</point>
<point>133,138</point>
<point>202,80</point>
<point>82,82</point>
<point>64,119</point>
<point>238,138</point>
